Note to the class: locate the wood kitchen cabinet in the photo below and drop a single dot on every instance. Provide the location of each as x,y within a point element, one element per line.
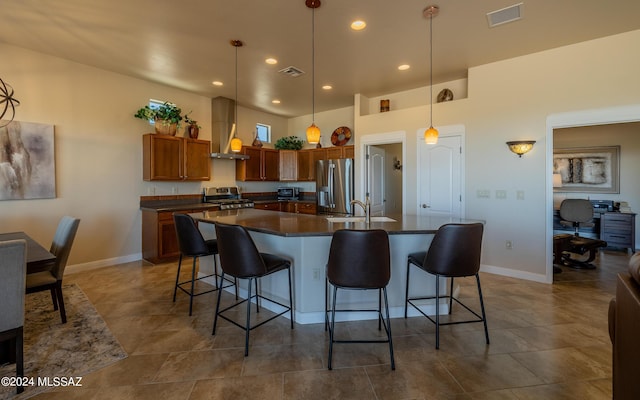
<point>159,240</point>
<point>288,165</point>
<point>262,165</point>
<point>170,158</point>
<point>270,206</point>
<point>307,159</point>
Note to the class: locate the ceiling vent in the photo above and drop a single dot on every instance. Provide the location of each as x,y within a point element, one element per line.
<point>505,15</point>
<point>291,71</point>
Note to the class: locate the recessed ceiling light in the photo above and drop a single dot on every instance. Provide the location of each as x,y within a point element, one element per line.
<point>271,61</point>
<point>216,83</point>
<point>404,67</point>
<point>358,25</point>
<point>327,87</point>
<point>275,101</point>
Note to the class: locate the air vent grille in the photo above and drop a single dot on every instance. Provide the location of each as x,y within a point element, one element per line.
<point>292,71</point>
<point>505,15</point>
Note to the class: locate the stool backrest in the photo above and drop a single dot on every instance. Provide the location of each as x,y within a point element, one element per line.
<point>62,242</point>
<point>190,240</point>
<point>239,255</point>
<point>455,250</point>
<point>359,259</point>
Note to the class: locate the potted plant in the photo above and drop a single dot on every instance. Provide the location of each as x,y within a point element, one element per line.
<point>289,143</point>
<point>192,129</point>
<point>166,117</point>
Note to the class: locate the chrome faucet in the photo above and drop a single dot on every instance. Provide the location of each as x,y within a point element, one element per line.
<point>366,207</point>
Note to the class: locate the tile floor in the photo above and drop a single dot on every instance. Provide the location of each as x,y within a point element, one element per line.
<point>547,342</point>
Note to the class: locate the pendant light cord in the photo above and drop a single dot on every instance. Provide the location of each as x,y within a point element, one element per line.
<point>235,114</point>
<point>431,69</point>
<point>313,65</point>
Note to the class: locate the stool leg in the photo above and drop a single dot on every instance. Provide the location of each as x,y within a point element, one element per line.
<point>406,293</point>
<point>246,336</point>
<point>215,318</point>
<point>451,296</point>
<point>437,312</point>
<point>379,309</point>
<point>175,289</point>
<point>326,304</point>
<point>333,325</point>
<point>290,297</point>
<point>193,282</point>
<point>484,316</point>
<point>386,306</point>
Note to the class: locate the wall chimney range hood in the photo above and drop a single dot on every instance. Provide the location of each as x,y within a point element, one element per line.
<point>222,120</point>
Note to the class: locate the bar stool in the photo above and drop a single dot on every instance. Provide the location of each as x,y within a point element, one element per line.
<point>454,252</point>
<point>240,258</point>
<point>359,260</point>
<point>192,244</point>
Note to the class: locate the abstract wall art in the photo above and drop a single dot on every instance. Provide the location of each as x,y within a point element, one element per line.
<point>27,161</point>
<point>588,169</point>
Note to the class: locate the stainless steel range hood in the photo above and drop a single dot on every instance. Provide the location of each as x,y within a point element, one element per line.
<point>222,123</point>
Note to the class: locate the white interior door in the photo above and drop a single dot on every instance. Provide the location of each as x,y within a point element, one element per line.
<point>375,179</point>
<point>439,177</point>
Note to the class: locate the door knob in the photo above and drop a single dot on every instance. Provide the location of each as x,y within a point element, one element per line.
<point>425,206</point>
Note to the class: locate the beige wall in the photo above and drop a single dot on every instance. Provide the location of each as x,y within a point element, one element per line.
<point>98,143</point>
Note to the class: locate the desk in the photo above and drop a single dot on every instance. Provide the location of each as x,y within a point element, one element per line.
<point>38,257</point>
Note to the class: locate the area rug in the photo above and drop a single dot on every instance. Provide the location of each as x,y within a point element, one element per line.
<point>52,349</point>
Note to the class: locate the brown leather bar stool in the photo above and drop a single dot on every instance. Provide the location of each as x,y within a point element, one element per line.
<point>359,260</point>
<point>454,252</point>
<point>240,258</point>
<point>192,244</point>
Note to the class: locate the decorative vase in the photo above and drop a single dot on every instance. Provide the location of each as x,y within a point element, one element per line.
<point>193,131</point>
<point>256,142</point>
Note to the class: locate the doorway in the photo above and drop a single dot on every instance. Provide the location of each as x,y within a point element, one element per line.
<point>570,120</point>
<point>384,178</point>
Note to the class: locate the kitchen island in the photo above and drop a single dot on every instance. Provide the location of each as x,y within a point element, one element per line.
<point>305,239</point>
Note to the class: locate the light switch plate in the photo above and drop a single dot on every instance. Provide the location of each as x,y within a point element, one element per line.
<point>501,194</point>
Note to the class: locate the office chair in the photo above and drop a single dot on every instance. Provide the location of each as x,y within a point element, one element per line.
<point>576,214</point>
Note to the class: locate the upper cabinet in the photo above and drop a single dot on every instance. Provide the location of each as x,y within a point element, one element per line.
<point>307,159</point>
<point>170,158</point>
<point>289,165</point>
<point>263,165</point>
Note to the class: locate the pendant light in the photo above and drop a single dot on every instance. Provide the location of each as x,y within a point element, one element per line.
<point>236,143</point>
<point>431,134</point>
<point>313,132</point>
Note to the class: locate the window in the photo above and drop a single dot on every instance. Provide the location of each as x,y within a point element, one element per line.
<point>154,105</point>
<point>264,133</point>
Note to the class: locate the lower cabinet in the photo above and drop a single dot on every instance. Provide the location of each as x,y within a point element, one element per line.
<point>159,241</point>
<point>298,207</point>
<point>618,229</point>
<point>271,206</point>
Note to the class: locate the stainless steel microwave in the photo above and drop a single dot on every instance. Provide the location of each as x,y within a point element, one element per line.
<point>288,193</point>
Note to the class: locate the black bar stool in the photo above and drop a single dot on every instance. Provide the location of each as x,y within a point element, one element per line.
<point>359,260</point>
<point>454,252</point>
<point>240,258</point>
<point>192,244</point>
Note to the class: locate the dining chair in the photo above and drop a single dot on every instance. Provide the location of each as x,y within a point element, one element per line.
<point>359,260</point>
<point>192,244</point>
<point>240,258</point>
<point>454,252</point>
<point>13,265</point>
<point>52,279</point>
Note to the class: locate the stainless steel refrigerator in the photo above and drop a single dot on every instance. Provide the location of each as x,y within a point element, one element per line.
<point>334,186</point>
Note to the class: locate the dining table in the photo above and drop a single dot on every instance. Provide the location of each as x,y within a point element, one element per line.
<point>38,257</point>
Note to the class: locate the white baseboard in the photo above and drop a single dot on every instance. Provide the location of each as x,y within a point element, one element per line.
<point>71,269</point>
<point>512,273</point>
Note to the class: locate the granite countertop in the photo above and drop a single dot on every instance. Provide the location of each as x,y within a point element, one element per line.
<point>291,225</point>
<point>163,206</point>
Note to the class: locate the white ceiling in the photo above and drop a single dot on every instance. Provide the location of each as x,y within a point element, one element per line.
<point>186,43</point>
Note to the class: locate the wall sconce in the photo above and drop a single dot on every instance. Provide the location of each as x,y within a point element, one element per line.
<point>396,164</point>
<point>521,147</point>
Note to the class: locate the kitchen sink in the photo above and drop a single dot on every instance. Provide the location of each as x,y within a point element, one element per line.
<point>359,219</point>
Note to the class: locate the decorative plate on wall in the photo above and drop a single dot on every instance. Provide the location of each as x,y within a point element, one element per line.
<point>341,136</point>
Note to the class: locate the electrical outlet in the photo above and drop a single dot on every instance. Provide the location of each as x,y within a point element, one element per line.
<point>501,194</point>
<point>483,194</point>
<point>316,274</point>
<point>174,190</point>
<point>520,194</point>
<point>508,244</point>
